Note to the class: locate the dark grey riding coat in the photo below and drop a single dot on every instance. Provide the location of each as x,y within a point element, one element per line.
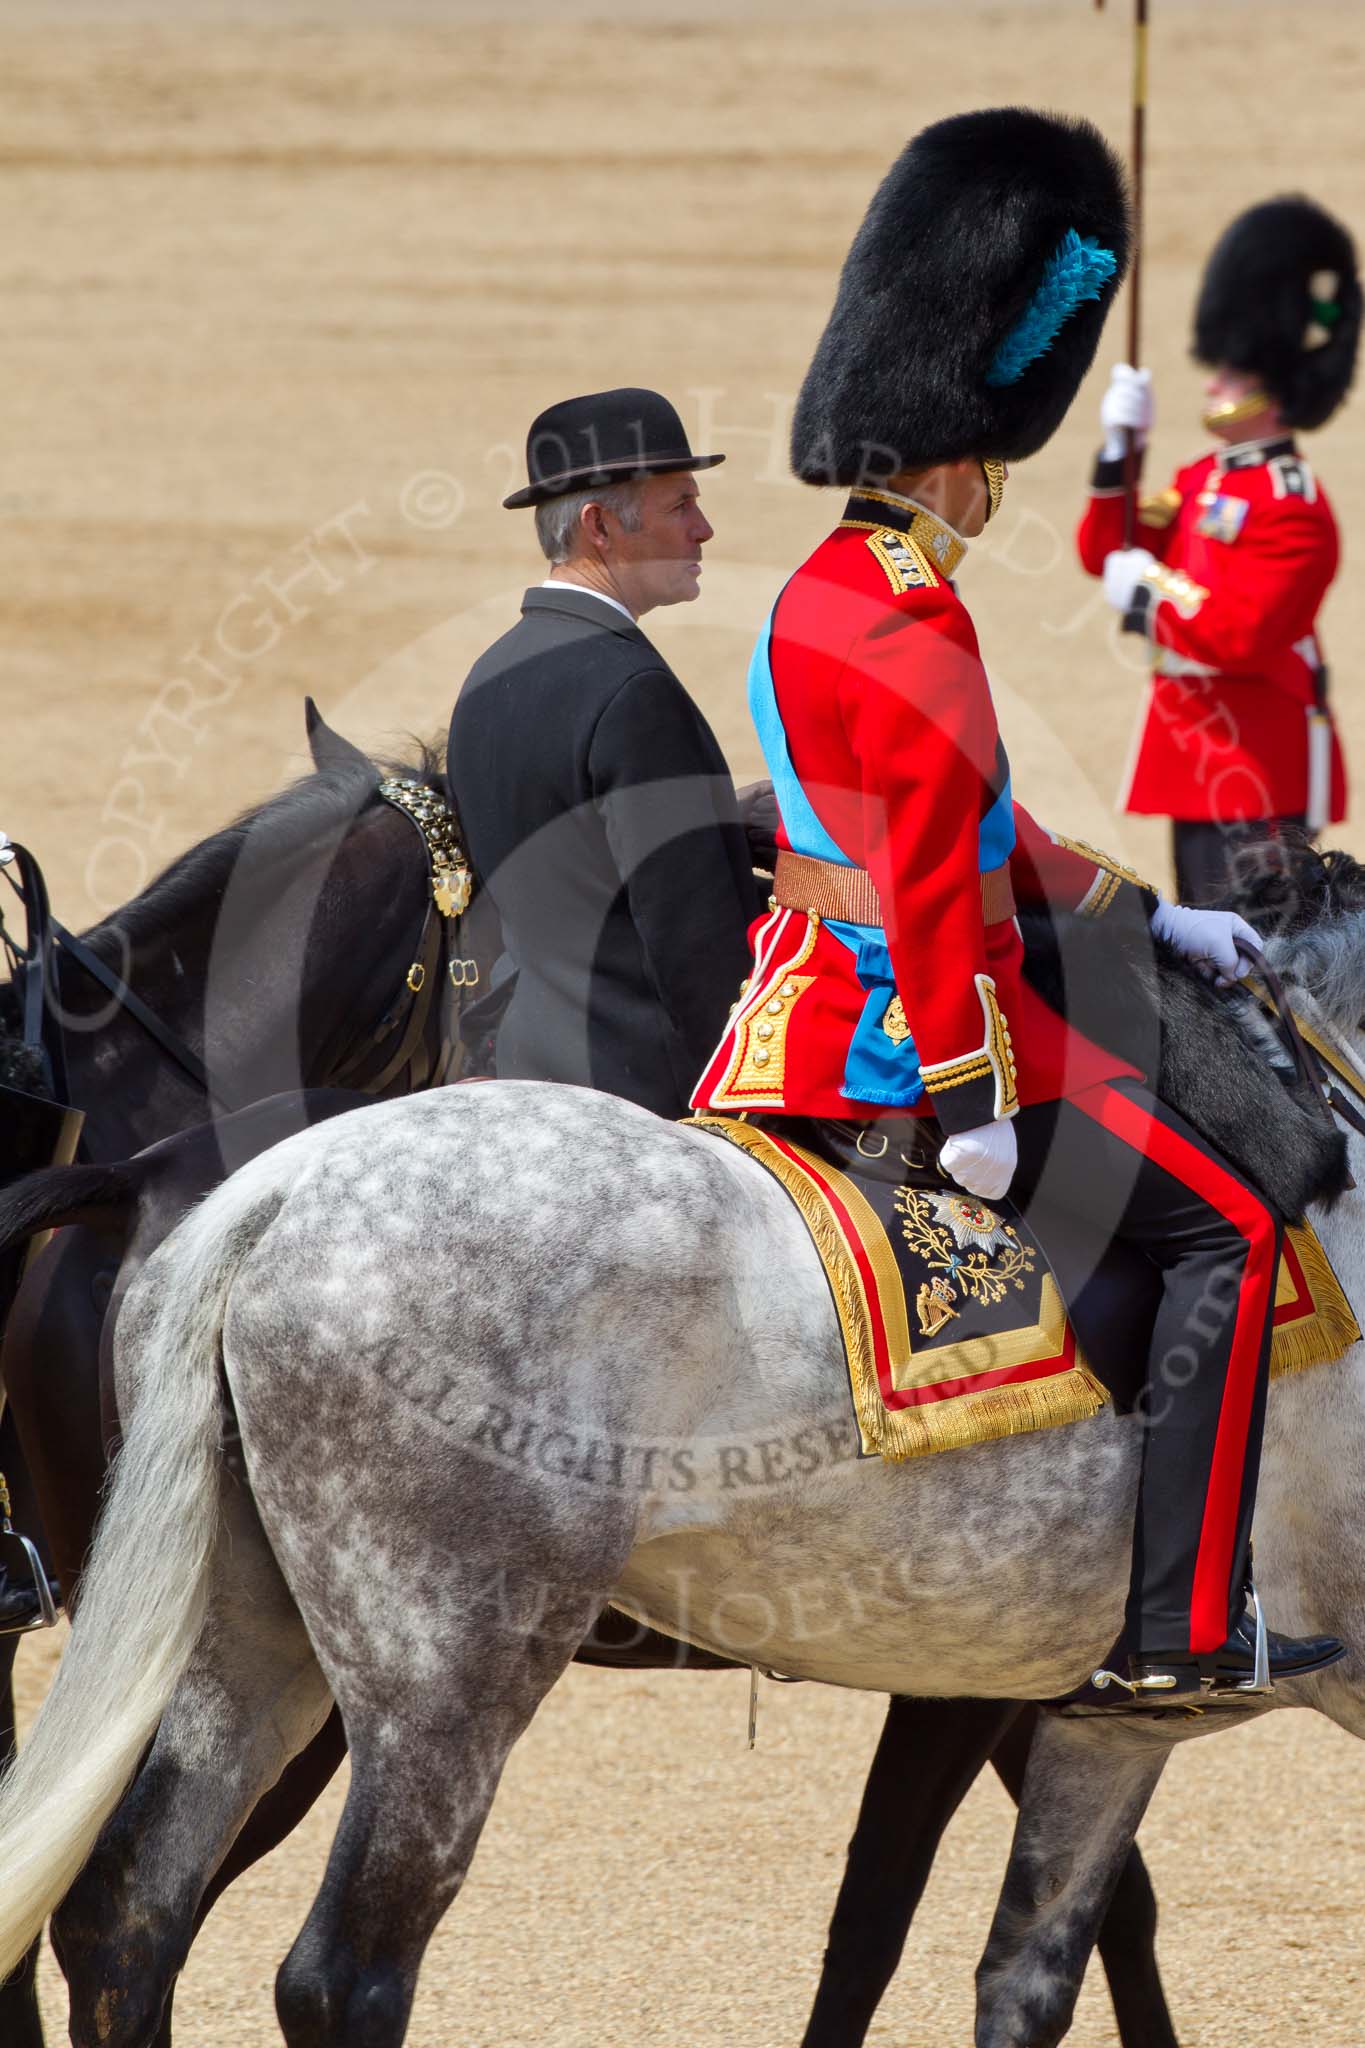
<point>600,815</point>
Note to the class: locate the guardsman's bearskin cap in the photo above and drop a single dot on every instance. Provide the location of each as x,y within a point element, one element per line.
<point>1281,298</point>
<point>971,302</point>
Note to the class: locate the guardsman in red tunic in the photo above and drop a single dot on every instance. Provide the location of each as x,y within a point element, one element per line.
<point>887,975</point>
<point>1233,560</point>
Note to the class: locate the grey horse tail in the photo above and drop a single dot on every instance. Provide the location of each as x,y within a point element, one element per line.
<point>145,1590</point>
<point>58,1195</point>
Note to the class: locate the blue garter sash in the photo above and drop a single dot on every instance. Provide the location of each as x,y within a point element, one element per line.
<point>878,1068</point>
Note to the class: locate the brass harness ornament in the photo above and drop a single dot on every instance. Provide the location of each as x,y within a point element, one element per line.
<point>452,880</point>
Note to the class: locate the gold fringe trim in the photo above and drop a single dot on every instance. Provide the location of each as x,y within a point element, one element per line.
<point>1331,1330</point>
<point>981,1418</point>
<point>953,1423</point>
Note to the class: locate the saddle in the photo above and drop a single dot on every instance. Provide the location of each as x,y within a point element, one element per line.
<point>958,1326</point>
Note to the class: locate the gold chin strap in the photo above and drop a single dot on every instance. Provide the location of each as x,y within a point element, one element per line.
<point>993,469</point>
<point>1236,410</point>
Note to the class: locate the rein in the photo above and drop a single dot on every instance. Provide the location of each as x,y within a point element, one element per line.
<point>370,1070</point>
<point>1298,1038</point>
<point>34,964</point>
<point>29,964</point>
<point>128,999</point>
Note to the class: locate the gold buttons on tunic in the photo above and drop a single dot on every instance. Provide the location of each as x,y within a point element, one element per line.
<point>758,1046</point>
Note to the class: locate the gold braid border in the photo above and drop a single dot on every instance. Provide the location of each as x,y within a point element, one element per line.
<point>954,1423</point>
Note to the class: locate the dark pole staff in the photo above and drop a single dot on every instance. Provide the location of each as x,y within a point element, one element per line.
<point>1138,159</point>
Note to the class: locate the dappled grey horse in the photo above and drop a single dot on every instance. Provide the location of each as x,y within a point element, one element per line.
<point>491,1354</point>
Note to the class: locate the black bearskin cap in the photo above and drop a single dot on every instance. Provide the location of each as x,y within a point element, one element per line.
<point>951,260</point>
<point>1281,299</point>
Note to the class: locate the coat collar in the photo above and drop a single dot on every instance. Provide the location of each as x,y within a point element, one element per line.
<point>1251,454</point>
<point>941,543</point>
<point>571,602</point>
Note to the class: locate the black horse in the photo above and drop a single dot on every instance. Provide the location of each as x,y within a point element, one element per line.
<point>324,864</point>
<point>297,949</point>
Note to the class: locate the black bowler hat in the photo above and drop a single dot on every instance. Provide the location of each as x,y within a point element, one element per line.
<point>604,438</point>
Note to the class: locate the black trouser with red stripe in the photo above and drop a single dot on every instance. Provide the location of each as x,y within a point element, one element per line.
<point>1121,1165</point>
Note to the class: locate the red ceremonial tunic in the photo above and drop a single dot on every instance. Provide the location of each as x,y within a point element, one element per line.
<point>879,729</point>
<point>1247,547</point>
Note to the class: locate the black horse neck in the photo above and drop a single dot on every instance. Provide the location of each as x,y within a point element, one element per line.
<point>272,951</point>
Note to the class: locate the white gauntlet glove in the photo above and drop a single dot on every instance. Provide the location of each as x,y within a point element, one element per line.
<point>6,850</point>
<point>1212,939</point>
<point>1124,569</point>
<point>982,1161</point>
<point>1127,403</point>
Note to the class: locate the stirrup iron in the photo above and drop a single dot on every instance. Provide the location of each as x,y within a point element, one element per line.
<point>1260,1680</point>
<point>46,1616</point>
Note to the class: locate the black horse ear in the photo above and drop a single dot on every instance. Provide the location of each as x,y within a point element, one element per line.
<point>332,755</point>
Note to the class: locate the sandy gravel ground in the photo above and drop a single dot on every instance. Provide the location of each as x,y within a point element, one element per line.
<point>282,287</point>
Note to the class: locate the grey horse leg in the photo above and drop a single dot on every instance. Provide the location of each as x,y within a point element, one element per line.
<point>930,1752</point>
<point>250,1699</point>
<point>423,1775</point>
<point>1085,1791</point>
<point>437,1666</point>
<point>1127,1936</point>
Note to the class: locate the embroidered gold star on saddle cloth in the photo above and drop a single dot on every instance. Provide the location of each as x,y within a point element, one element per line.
<point>955,1331</point>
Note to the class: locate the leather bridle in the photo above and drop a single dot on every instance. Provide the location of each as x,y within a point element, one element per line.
<point>1308,1053</point>
<point>397,1042</point>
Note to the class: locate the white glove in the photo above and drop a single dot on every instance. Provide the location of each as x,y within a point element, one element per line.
<point>1124,569</point>
<point>1127,403</point>
<point>982,1161</point>
<point>1212,939</point>
<point>6,850</point>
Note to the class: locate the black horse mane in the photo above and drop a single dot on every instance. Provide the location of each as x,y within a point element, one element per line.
<point>307,810</point>
<point>1214,1056</point>
<point>1286,886</point>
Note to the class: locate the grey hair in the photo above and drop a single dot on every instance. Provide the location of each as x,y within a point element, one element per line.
<point>557,521</point>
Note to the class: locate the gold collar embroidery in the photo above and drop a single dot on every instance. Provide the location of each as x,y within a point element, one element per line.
<point>942,544</point>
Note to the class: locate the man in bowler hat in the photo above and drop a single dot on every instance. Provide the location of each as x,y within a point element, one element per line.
<point>597,806</point>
